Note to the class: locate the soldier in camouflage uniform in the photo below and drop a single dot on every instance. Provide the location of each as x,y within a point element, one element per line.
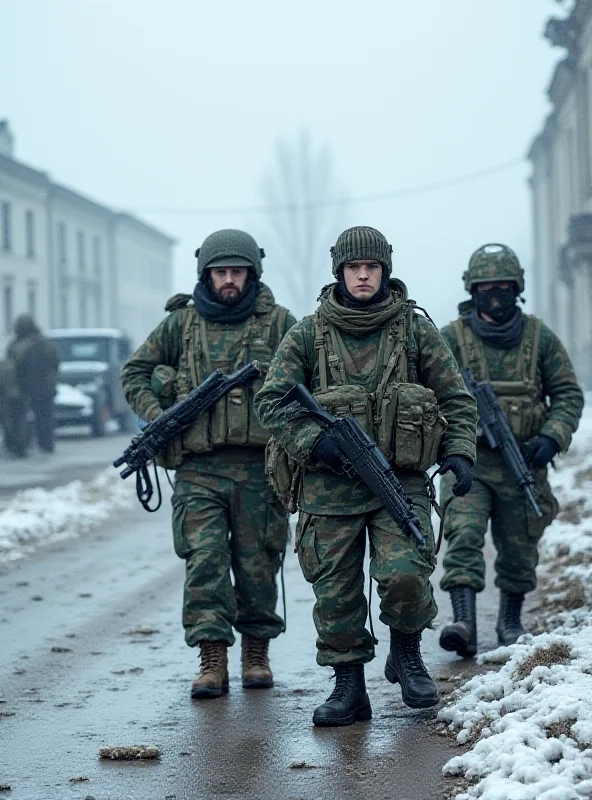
<point>366,352</point>
<point>225,515</point>
<point>534,381</point>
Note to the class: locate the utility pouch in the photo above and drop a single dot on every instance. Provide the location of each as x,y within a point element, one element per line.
<point>284,474</point>
<point>525,414</point>
<point>350,399</point>
<point>410,426</point>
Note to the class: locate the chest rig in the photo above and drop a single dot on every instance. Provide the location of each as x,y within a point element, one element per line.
<point>207,346</point>
<point>520,395</point>
<point>399,413</point>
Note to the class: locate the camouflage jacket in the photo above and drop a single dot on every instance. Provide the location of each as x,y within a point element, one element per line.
<point>556,385</point>
<point>323,491</point>
<point>164,345</point>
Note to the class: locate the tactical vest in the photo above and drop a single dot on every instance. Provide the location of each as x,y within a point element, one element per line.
<point>520,397</point>
<point>401,415</point>
<point>232,421</point>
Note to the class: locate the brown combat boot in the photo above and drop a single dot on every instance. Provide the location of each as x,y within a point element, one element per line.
<point>212,680</point>
<point>255,663</point>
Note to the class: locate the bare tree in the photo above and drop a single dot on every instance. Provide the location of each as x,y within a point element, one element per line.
<point>303,220</point>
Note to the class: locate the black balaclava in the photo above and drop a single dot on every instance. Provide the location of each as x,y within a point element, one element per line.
<point>353,302</point>
<point>497,303</point>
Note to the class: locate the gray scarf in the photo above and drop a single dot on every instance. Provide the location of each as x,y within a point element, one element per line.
<point>506,335</point>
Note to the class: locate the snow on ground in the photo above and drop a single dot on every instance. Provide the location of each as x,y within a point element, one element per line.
<point>529,724</point>
<point>35,517</point>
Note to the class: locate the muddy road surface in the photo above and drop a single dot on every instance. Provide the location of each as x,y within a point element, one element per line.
<point>92,655</point>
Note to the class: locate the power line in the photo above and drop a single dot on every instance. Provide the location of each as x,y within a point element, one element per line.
<point>422,188</point>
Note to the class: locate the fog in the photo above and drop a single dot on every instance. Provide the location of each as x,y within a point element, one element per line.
<point>173,110</point>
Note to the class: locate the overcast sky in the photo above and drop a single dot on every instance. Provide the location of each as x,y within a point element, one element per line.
<point>147,104</point>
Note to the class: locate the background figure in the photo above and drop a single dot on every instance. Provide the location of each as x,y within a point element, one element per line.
<point>13,412</point>
<point>35,361</point>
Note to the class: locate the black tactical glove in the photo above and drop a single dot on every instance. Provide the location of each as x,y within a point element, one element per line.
<point>461,466</point>
<point>543,450</point>
<point>325,450</point>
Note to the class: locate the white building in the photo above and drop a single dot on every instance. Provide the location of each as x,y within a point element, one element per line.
<point>561,157</point>
<point>71,262</point>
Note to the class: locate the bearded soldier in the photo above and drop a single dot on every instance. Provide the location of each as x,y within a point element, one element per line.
<point>225,515</point>
<point>532,376</point>
<point>366,352</point>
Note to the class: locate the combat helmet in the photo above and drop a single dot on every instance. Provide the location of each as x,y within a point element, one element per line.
<point>361,243</point>
<point>493,262</point>
<point>229,248</point>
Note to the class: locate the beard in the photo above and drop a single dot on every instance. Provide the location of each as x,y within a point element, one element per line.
<point>225,297</point>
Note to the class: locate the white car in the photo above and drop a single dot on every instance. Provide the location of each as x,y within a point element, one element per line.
<point>72,406</point>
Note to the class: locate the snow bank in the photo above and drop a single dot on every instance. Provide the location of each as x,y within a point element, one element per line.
<point>530,723</point>
<point>36,517</point>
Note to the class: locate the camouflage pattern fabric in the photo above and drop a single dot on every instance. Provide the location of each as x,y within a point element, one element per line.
<point>225,516</point>
<point>335,512</point>
<point>494,495</point>
<point>556,380</point>
<point>331,554</point>
<point>493,262</point>
<point>515,528</point>
<point>164,347</point>
<point>323,491</point>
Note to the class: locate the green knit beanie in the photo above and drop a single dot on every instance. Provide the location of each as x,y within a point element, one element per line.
<point>229,248</point>
<point>361,243</point>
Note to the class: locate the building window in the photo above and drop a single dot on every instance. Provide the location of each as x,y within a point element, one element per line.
<point>30,233</point>
<point>81,253</point>
<point>64,310</point>
<point>32,300</point>
<point>83,309</point>
<point>62,247</point>
<point>97,257</point>
<point>6,228</point>
<point>8,306</point>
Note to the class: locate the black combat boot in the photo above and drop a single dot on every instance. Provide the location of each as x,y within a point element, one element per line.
<point>509,627</point>
<point>461,635</point>
<point>349,701</point>
<point>404,666</point>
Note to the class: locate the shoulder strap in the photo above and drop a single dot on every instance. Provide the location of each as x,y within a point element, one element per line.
<point>536,346</point>
<point>471,350</point>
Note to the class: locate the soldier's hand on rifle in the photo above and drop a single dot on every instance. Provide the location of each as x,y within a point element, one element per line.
<point>325,450</point>
<point>543,451</point>
<point>463,472</point>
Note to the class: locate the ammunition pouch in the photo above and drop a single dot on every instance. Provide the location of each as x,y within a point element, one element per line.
<point>525,414</point>
<point>410,426</point>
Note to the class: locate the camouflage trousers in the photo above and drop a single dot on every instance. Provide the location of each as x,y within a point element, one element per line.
<point>331,552</point>
<point>515,528</point>
<point>227,519</point>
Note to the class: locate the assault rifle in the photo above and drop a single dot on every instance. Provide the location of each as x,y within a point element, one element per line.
<point>498,433</point>
<point>360,456</point>
<point>147,445</point>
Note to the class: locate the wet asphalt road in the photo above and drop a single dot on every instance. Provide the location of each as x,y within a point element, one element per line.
<point>92,654</point>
